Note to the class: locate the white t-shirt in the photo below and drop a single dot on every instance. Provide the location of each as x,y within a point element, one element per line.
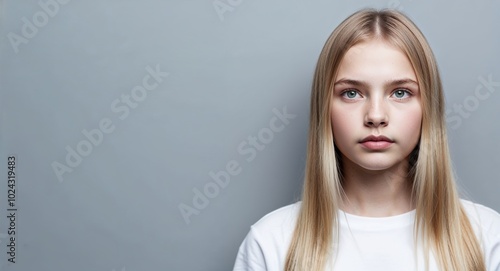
<point>365,243</point>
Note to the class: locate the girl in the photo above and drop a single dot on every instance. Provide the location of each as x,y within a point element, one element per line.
<point>379,192</point>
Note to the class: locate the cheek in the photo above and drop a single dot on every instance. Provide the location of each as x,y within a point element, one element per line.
<point>342,123</point>
<point>411,123</point>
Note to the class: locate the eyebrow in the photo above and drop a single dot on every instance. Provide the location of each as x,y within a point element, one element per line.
<point>357,83</point>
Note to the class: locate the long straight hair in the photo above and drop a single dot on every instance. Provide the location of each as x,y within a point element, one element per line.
<point>441,224</point>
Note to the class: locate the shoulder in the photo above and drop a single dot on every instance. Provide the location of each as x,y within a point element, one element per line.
<point>483,218</point>
<point>486,223</point>
<point>282,219</point>
<point>274,230</point>
<point>266,245</point>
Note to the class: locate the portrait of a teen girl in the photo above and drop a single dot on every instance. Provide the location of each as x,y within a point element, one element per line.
<point>379,191</point>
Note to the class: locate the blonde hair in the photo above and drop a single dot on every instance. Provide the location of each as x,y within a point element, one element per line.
<point>441,222</point>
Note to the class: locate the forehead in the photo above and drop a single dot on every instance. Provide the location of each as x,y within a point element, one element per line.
<point>374,60</point>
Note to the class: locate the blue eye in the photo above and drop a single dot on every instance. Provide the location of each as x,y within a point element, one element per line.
<point>401,93</point>
<point>350,94</point>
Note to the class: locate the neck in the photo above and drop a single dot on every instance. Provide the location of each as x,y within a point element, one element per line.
<point>376,193</point>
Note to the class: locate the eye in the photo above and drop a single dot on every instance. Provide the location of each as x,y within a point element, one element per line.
<point>350,94</point>
<point>401,94</point>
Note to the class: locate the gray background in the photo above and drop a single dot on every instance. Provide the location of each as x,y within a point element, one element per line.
<point>227,71</point>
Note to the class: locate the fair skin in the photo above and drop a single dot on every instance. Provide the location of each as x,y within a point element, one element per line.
<point>376,93</point>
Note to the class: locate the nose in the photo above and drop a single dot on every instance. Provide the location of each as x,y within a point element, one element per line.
<point>376,113</point>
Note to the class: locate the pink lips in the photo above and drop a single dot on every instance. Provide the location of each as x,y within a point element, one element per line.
<point>376,142</point>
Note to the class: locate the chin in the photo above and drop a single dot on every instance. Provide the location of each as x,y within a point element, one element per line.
<point>375,167</point>
<point>378,165</point>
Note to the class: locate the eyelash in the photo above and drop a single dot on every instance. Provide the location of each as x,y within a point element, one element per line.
<point>408,92</point>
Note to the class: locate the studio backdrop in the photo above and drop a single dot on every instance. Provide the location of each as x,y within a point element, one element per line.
<point>150,135</point>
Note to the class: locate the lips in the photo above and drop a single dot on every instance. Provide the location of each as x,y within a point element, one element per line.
<point>376,142</point>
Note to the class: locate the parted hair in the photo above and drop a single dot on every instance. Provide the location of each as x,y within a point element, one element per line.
<point>441,224</point>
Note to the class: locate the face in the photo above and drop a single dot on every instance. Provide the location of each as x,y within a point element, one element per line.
<point>375,109</point>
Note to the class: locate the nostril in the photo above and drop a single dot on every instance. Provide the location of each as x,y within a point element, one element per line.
<point>376,123</point>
